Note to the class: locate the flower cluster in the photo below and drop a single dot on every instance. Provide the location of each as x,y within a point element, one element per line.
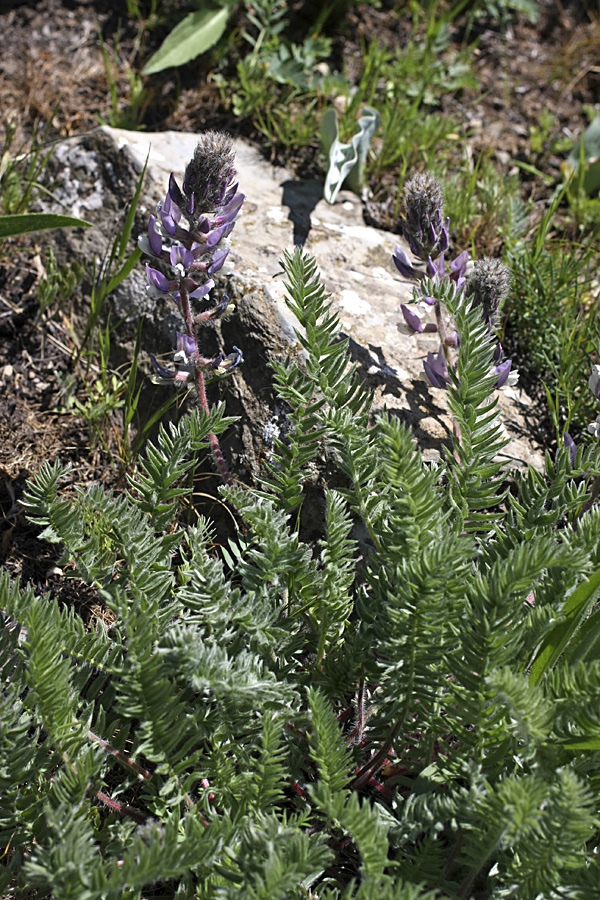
<point>486,281</point>
<point>190,234</point>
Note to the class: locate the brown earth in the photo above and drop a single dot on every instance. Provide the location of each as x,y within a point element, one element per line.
<point>51,52</point>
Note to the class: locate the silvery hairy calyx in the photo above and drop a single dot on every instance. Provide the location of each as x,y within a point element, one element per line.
<point>189,234</point>
<point>486,281</point>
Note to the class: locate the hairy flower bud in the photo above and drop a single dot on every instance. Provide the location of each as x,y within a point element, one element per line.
<point>423,208</point>
<point>489,285</point>
<point>209,173</point>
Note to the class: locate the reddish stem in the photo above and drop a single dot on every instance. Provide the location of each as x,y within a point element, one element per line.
<point>190,328</point>
<point>143,773</point>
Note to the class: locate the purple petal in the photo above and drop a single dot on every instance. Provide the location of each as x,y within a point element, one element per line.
<point>164,373</point>
<point>175,192</point>
<point>153,237</point>
<point>503,371</point>
<point>458,266</point>
<point>203,290</point>
<point>571,446</point>
<point>431,327</point>
<point>218,234</point>
<point>181,255</point>
<point>436,370</point>
<point>234,205</point>
<point>497,353</point>
<point>402,262</point>
<point>444,238</point>
<point>231,361</point>
<point>412,319</point>
<point>157,279</point>
<point>218,259</point>
<point>436,267</point>
<point>186,343</point>
<point>414,245</point>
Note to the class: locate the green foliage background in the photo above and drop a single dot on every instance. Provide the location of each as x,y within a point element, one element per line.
<point>358,718</point>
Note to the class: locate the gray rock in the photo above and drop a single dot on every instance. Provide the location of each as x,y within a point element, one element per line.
<point>98,177</point>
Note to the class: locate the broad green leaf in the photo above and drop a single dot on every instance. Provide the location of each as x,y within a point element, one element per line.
<point>573,615</point>
<point>585,642</point>
<point>195,34</point>
<point>26,223</point>
<point>588,148</point>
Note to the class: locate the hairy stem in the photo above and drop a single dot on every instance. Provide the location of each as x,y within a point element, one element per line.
<point>190,328</point>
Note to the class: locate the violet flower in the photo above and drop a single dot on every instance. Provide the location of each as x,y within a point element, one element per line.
<point>436,369</point>
<point>571,446</point>
<point>423,223</point>
<point>489,285</point>
<point>189,237</point>
<point>594,382</point>
<point>190,229</point>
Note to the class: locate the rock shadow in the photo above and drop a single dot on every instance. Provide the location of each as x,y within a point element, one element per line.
<point>301,198</point>
<point>416,395</point>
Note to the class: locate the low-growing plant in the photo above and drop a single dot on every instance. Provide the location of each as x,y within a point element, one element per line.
<point>405,707</point>
<point>130,116</point>
<point>58,283</point>
<point>552,314</point>
<point>485,205</point>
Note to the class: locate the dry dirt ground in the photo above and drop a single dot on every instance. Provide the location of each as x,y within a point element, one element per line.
<point>51,52</point>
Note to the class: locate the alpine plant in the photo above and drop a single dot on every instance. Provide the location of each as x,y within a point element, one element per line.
<point>486,281</point>
<point>189,235</point>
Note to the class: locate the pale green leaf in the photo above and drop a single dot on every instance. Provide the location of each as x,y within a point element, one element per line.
<point>26,223</point>
<point>195,34</point>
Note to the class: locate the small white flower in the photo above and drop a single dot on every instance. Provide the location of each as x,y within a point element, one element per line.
<point>594,381</point>
<point>594,427</point>
<point>513,377</point>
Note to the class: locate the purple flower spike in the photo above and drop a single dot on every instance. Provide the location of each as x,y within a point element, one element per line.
<point>402,262</point>
<point>411,318</point>
<point>218,260</point>
<point>503,371</point>
<point>571,446</point>
<point>157,279</point>
<point>186,344</point>
<point>436,369</point>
